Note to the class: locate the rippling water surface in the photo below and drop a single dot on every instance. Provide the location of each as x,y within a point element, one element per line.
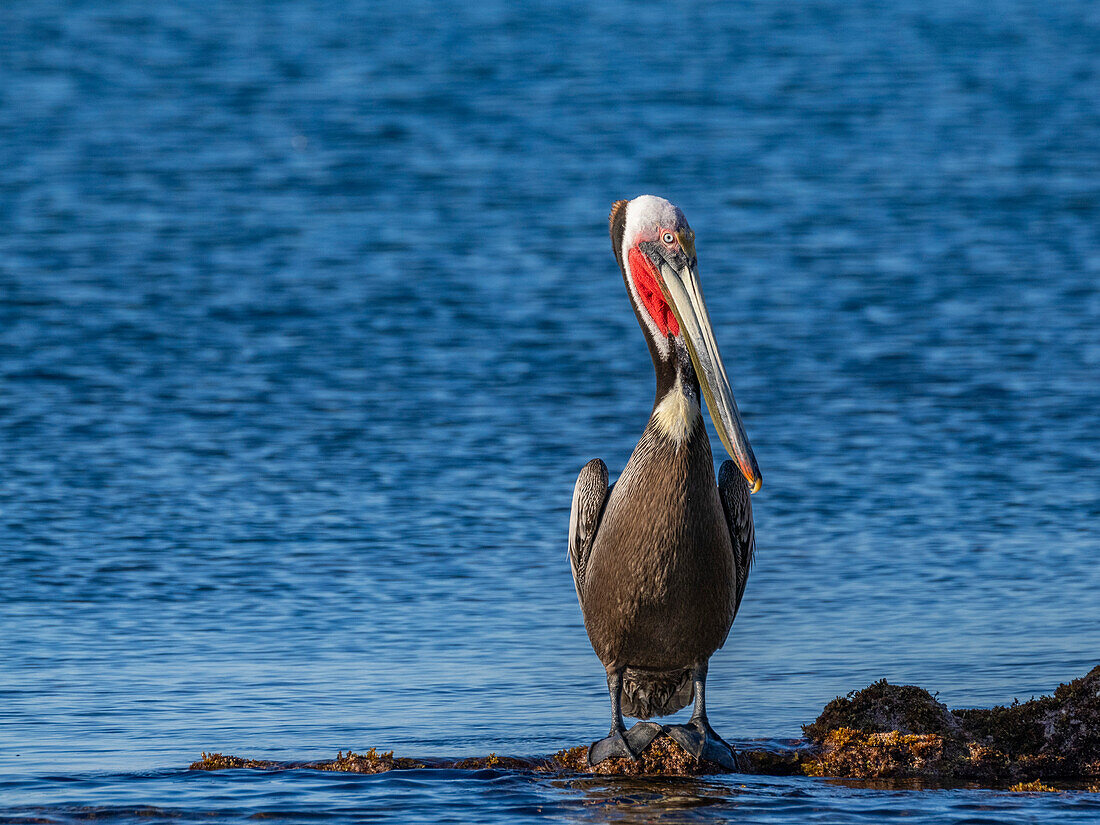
<point>308,318</point>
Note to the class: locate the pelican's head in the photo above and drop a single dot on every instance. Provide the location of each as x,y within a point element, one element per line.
<point>656,250</point>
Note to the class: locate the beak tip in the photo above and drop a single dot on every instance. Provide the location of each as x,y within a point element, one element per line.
<point>758,484</point>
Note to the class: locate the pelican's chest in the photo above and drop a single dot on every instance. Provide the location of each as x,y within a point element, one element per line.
<point>664,525</point>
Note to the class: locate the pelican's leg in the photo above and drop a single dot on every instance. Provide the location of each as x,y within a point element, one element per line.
<point>614,745</point>
<point>697,737</point>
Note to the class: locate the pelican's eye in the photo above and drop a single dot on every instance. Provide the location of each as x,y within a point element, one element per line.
<point>668,238</point>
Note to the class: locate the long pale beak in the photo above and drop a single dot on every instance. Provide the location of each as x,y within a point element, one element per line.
<point>682,292</point>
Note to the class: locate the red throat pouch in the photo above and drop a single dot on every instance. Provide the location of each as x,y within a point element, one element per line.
<point>645,281</point>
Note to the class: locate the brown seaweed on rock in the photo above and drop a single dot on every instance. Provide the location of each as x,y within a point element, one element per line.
<point>1050,737</point>
<point>370,762</point>
<point>882,708</point>
<point>1034,786</point>
<point>901,731</point>
<point>221,762</point>
<point>662,758</point>
<point>850,753</point>
<point>886,732</point>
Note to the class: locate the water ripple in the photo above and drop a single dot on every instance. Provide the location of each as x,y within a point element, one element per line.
<point>308,320</point>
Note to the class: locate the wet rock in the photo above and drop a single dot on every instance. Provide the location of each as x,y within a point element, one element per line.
<point>785,759</point>
<point>886,731</point>
<point>222,762</point>
<point>569,760</point>
<point>662,757</point>
<point>886,755</point>
<point>370,762</point>
<point>1052,736</point>
<point>882,708</point>
<point>901,731</point>
<point>1035,786</point>
<point>504,763</point>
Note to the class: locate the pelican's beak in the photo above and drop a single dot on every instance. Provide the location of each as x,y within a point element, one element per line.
<point>679,281</point>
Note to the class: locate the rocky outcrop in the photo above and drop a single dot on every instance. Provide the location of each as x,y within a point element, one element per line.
<point>902,732</point>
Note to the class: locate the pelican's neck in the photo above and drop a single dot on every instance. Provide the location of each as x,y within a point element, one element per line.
<point>676,407</point>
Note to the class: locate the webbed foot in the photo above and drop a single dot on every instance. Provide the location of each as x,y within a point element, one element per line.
<point>624,744</point>
<point>698,738</point>
<point>639,736</point>
<point>612,746</point>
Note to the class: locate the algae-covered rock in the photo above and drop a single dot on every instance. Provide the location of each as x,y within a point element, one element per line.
<point>1034,786</point>
<point>503,763</point>
<point>882,708</point>
<point>895,731</point>
<point>884,755</point>
<point>370,762</point>
<point>1051,736</point>
<point>1073,725</point>
<point>985,762</point>
<point>570,760</point>
<point>222,762</point>
<point>772,760</point>
<point>886,731</point>
<point>1016,729</point>
<point>662,757</point>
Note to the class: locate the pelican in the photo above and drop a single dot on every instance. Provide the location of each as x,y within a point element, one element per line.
<point>660,558</point>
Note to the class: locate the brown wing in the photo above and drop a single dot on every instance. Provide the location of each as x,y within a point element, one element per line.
<point>589,498</point>
<point>734,491</point>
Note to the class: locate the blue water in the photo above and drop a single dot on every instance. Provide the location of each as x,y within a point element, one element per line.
<point>308,319</point>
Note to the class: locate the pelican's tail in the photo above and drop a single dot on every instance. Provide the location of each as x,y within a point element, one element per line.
<point>648,693</point>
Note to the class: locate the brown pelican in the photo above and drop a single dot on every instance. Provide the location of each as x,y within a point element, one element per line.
<point>660,558</point>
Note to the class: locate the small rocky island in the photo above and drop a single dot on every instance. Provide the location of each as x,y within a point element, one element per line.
<point>901,732</point>
<point>883,732</point>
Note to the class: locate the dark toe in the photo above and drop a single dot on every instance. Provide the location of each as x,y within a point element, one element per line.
<point>719,753</point>
<point>687,737</point>
<point>639,736</point>
<point>613,746</point>
<point>700,740</point>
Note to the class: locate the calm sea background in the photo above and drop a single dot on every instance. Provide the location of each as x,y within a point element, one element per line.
<point>309,318</point>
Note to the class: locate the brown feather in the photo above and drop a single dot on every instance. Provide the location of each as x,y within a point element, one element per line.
<point>649,693</point>
<point>616,208</point>
<point>737,503</point>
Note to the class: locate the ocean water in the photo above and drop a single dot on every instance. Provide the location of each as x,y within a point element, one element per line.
<point>309,318</point>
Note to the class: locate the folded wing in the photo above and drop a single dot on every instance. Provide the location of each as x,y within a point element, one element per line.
<point>734,492</point>
<point>589,498</point>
